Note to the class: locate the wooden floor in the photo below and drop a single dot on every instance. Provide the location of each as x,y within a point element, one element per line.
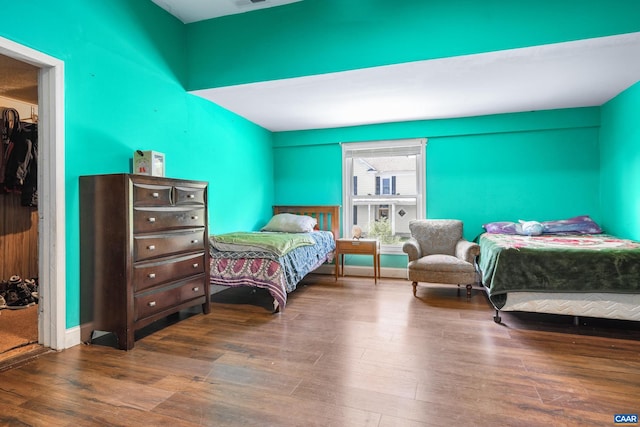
<point>343,353</point>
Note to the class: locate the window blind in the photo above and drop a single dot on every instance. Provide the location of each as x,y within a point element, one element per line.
<point>382,148</point>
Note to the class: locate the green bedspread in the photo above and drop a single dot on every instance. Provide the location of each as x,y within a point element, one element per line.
<point>278,243</point>
<point>553,263</point>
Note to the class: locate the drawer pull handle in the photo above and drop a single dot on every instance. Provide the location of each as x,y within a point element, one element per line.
<point>194,217</point>
<point>155,195</point>
<point>151,247</point>
<point>195,265</point>
<point>151,220</point>
<point>191,196</point>
<point>194,241</point>
<point>152,275</point>
<point>196,289</point>
<point>151,304</point>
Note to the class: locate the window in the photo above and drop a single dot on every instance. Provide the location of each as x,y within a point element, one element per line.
<point>384,189</point>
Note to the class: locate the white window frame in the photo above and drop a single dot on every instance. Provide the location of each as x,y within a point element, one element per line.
<point>347,180</point>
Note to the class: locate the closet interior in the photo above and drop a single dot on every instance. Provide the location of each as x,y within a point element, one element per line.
<point>18,206</point>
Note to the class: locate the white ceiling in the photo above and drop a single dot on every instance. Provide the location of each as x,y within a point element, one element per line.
<point>199,10</point>
<point>564,75</point>
<point>582,73</point>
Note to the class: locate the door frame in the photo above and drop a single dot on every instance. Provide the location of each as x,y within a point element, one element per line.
<point>51,194</point>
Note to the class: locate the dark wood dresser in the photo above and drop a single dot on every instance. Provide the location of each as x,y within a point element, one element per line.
<point>143,251</point>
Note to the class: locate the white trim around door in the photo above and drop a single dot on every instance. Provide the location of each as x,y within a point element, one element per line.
<point>51,194</point>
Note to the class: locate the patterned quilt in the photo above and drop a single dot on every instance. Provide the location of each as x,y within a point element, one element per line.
<point>279,274</point>
<point>558,263</point>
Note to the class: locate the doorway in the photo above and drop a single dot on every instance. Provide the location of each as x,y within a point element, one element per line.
<point>52,332</point>
<point>18,214</point>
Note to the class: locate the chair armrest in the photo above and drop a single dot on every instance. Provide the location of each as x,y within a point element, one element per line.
<point>467,250</point>
<point>412,248</point>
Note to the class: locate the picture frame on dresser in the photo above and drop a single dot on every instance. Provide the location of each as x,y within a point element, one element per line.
<point>143,252</point>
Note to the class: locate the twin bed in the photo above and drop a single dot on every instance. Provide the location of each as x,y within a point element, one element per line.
<point>296,241</point>
<point>576,274</point>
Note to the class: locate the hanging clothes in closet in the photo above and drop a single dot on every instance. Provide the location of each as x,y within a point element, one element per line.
<point>18,157</point>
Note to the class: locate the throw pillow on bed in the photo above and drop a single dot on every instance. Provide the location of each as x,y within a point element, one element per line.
<point>577,225</point>
<point>524,228</point>
<point>291,223</point>
<point>529,228</point>
<point>500,227</point>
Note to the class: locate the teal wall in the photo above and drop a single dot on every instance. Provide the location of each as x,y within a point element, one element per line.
<point>125,68</point>
<point>530,166</point>
<point>620,164</point>
<point>322,36</point>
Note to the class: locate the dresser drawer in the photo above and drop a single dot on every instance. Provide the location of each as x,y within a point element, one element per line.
<point>357,246</point>
<point>193,289</point>
<point>149,303</point>
<point>151,195</point>
<point>190,196</point>
<point>147,220</point>
<point>146,275</point>
<point>158,245</point>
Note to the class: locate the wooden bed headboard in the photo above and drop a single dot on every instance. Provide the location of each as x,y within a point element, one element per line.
<point>328,216</point>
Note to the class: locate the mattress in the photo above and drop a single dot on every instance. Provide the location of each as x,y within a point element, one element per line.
<point>603,305</point>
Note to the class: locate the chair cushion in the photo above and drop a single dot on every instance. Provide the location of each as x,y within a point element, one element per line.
<point>441,263</point>
<point>436,236</point>
<point>442,269</point>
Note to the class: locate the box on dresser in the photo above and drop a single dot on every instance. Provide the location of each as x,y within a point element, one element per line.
<point>143,252</point>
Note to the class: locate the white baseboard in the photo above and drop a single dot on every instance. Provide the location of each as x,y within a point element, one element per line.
<point>72,337</point>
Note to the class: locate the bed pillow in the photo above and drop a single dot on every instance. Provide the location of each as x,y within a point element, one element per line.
<point>577,225</point>
<point>500,227</point>
<point>529,228</point>
<point>291,223</point>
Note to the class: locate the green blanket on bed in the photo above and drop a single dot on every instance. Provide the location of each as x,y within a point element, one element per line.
<point>278,243</point>
<point>584,263</point>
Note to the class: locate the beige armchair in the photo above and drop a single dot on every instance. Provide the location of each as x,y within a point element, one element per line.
<point>439,254</point>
